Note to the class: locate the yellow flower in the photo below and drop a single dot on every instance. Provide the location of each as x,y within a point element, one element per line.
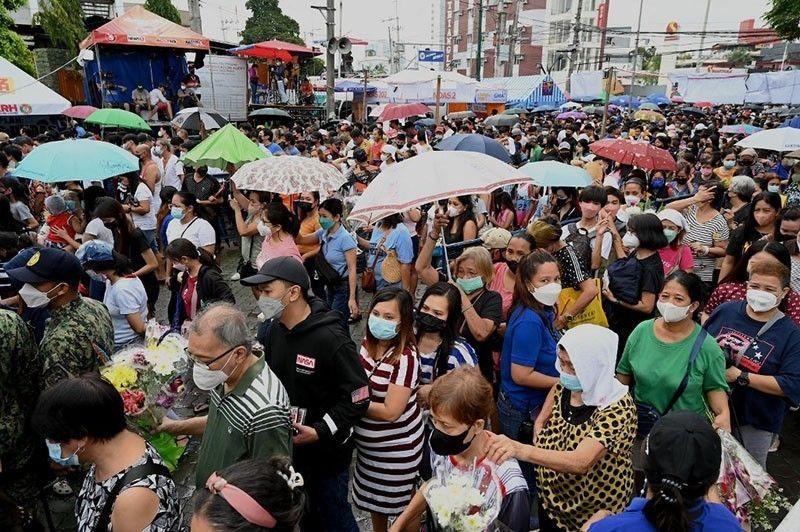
<point>120,375</point>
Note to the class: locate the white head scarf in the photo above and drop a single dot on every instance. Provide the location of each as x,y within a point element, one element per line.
<point>593,352</point>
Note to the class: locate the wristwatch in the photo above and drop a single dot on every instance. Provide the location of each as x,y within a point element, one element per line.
<point>568,317</point>
<point>743,379</point>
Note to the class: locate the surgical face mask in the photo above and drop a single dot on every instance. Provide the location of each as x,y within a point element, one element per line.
<point>177,213</point>
<point>33,298</point>
<point>728,164</point>
<point>429,323</point>
<point>470,284</point>
<point>632,200</point>
<point>589,210</point>
<point>512,265</point>
<point>761,301</point>
<point>264,229</point>
<point>444,444</point>
<point>775,189</point>
<point>271,307</point>
<point>70,205</point>
<point>325,222</point>
<point>670,312</point>
<point>746,161</point>
<point>547,294</point>
<point>382,329</point>
<point>208,379</point>
<point>705,172</point>
<point>158,152</point>
<point>630,241</point>
<point>570,382</point>
<point>453,211</point>
<point>657,183</point>
<point>179,266</point>
<point>670,235</point>
<point>54,451</point>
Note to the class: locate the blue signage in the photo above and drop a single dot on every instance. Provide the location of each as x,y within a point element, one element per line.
<point>431,56</point>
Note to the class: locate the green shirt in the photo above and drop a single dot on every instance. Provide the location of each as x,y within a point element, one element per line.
<point>658,368</point>
<point>250,421</point>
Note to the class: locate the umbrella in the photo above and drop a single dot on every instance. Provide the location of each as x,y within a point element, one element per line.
<point>659,99</point>
<point>556,174</point>
<point>191,117</point>
<point>76,160</point>
<point>649,106</point>
<point>271,113</point>
<point>792,111</point>
<point>79,112</point>
<point>396,111</point>
<point>648,116</point>
<point>779,139</point>
<point>794,154</point>
<point>475,142</point>
<point>740,129</point>
<point>692,111</point>
<point>544,109</point>
<point>593,110</point>
<point>703,105</point>
<point>118,118</point>
<point>226,146</point>
<point>791,122</point>
<point>587,99</point>
<point>754,106</point>
<point>432,176</point>
<point>460,115</point>
<point>515,111</point>
<point>634,153</point>
<point>571,105</point>
<point>288,175</point>
<point>501,120</point>
<point>574,115</point>
<point>676,99</point>
<point>426,122</point>
<point>625,101</point>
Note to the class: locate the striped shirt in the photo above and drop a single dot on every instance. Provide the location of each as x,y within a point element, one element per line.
<point>508,473</point>
<point>709,234</point>
<point>250,421</point>
<point>461,354</point>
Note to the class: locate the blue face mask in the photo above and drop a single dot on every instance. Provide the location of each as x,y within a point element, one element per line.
<point>382,329</point>
<point>70,205</point>
<point>54,450</point>
<point>176,212</point>
<point>775,189</point>
<point>570,382</point>
<point>657,183</point>
<point>471,284</point>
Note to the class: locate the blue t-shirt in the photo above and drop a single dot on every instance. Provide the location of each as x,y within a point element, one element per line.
<point>291,150</point>
<point>776,353</point>
<point>335,246</point>
<point>461,354</point>
<point>275,149</point>
<point>528,342</point>
<point>162,231</point>
<point>398,240</point>
<point>713,517</point>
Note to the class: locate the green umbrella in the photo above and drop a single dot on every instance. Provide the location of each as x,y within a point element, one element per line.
<point>226,146</point>
<point>118,118</point>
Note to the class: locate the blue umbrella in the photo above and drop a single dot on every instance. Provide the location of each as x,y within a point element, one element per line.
<point>659,99</point>
<point>349,85</point>
<point>475,142</point>
<point>742,129</point>
<point>556,174</point>
<point>792,122</point>
<point>427,122</point>
<point>544,109</point>
<point>625,101</point>
<point>76,160</point>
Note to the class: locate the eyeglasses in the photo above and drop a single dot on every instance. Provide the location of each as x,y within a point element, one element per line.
<point>206,365</point>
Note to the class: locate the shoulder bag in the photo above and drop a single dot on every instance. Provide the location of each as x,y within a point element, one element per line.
<point>368,283</point>
<point>329,275</point>
<point>134,474</point>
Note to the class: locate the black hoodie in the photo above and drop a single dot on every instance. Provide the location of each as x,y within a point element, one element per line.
<point>318,364</point>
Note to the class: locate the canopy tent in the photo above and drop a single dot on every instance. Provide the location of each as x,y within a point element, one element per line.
<point>273,49</point>
<point>353,85</point>
<point>528,91</point>
<point>21,95</point>
<point>420,86</point>
<point>139,27</point>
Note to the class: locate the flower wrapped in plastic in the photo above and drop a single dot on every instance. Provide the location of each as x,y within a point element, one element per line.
<point>745,488</point>
<point>465,500</point>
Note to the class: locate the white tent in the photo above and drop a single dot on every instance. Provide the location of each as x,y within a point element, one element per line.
<point>420,86</point>
<point>21,95</point>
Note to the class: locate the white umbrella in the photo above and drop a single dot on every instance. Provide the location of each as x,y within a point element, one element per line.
<point>288,175</point>
<point>191,117</point>
<point>430,177</point>
<point>778,139</point>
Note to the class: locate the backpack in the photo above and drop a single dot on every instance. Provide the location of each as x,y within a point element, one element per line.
<point>624,279</point>
<point>579,239</point>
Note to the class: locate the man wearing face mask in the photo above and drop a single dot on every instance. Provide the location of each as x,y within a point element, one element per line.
<point>748,159</point>
<point>317,362</point>
<point>79,336</point>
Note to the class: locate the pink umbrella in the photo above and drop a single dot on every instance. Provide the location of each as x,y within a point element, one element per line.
<point>396,111</point>
<point>676,99</point>
<point>575,115</point>
<point>80,112</point>
<point>703,104</point>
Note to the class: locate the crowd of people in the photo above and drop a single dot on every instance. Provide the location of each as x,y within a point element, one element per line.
<point>586,341</point>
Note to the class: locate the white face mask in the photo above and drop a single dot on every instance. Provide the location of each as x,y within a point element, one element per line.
<point>632,200</point>
<point>630,241</point>
<point>759,300</point>
<point>178,266</point>
<point>453,211</point>
<point>271,307</point>
<point>547,294</point>
<point>208,379</point>
<point>263,229</point>
<point>33,298</point>
<point>670,312</point>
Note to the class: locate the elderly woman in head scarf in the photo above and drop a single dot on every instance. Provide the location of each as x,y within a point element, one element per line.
<point>582,443</point>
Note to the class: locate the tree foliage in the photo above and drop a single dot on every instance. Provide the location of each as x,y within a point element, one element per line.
<point>784,18</point>
<point>267,21</point>
<point>62,21</point>
<point>313,67</point>
<point>739,57</point>
<point>12,47</point>
<point>165,9</point>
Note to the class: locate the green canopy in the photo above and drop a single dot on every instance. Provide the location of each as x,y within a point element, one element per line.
<point>226,146</point>
<point>118,118</point>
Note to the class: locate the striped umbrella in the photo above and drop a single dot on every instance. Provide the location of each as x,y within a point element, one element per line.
<point>191,117</point>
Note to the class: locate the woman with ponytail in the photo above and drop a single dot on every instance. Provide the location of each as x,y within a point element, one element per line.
<point>682,460</point>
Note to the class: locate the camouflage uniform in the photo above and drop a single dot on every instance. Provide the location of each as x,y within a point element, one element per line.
<point>78,338</point>
<point>21,451</point>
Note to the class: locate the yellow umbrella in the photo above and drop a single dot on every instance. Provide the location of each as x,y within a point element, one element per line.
<point>648,116</point>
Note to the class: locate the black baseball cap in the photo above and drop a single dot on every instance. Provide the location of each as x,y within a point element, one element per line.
<point>284,268</point>
<point>683,446</point>
<point>49,264</point>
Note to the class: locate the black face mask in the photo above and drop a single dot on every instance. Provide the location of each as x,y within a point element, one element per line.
<point>110,225</point>
<point>784,238</point>
<point>445,445</point>
<point>512,265</point>
<point>430,323</point>
<point>303,206</point>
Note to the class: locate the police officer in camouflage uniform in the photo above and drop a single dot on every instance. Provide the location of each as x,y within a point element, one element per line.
<point>79,337</point>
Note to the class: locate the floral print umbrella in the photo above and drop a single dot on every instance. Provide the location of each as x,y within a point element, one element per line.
<point>288,175</point>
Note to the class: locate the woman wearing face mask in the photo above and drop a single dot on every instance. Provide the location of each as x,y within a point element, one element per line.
<point>307,210</point>
<point>125,296</point>
<point>390,237</point>
<point>503,214</point>
<point>728,169</point>
<point>680,186</point>
<point>83,422</point>
<point>657,354</point>
<point>583,447</point>
<point>793,190</point>
<point>187,223</point>
<point>246,212</point>
<point>760,224</point>
<point>279,227</point>
<point>564,204</point>
<point>774,186</point>
<point>658,185</point>
<point>463,224</point>
<point>677,255</point>
<point>389,437</point>
<point>461,402</point>
<point>505,271</point>
<point>201,282</point>
<point>527,361</point>
<point>740,194</point>
<point>762,346</point>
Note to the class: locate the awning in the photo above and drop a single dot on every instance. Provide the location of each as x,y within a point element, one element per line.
<point>139,27</point>
<point>273,49</point>
<point>528,91</point>
<point>21,95</point>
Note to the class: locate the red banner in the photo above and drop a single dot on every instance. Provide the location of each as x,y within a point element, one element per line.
<point>602,15</point>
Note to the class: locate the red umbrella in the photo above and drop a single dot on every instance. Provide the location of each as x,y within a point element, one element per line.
<point>396,111</point>
<point>79,112</point>
<point>704,104</point>
<point>634,153</point>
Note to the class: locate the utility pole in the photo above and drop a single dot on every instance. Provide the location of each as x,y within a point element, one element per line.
<point>610,84</point>
<point>330,26</point>
<point>636,53</point>
<point>391,52</point>
<point>605,6</point>
<point>512,41</point>
<point>479,51</point>
<point>195,21</point>
<point>499,39</point>
<point>703,36</point>
<point>364,99</point>
<point>785,55</point>
<point>576,39</point>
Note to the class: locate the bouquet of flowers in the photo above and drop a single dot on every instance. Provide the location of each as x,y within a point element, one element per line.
<point>464,500</point>
<point>149,379</point>
<point>745,488</point>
